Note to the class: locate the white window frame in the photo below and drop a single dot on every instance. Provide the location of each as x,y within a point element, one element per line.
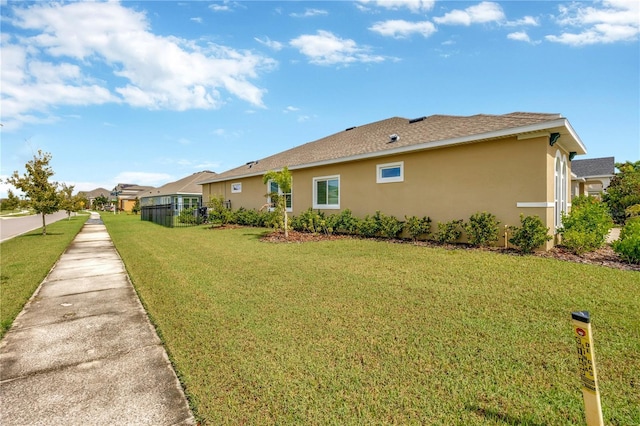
<point>236,187</point>
<point>381,167</point>
<point>561,179</point>
<point>315,193</point>
<point>289,209</point>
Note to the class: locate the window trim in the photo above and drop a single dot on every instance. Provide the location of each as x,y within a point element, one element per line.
<point>288,209</point>
<point>236,187</point>
<point>561,179</point>
<point>381,167</point>
<point>317,179</point>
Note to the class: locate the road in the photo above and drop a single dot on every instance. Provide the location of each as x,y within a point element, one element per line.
<point>13,226</point>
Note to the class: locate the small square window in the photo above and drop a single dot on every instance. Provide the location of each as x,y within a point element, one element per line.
<point>390,172</point>
<point>236,187</point>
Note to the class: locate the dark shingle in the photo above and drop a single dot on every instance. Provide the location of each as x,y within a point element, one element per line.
<point>373,138</point>
<point>593,167</point>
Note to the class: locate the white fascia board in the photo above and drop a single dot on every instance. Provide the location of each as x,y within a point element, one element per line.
<point>575,136</point>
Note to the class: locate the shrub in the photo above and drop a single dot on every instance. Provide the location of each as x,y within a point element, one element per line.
<point>389,226</point>
<point>189,216</point>
<point>482,229</point>
<point>628,246</point>
<point>632,211</point>
<point>449,232</point>
<point>368,227</point>
<point>586,227</point>
<point>218,212</point>
<point>307,221</point>
<point>530,235</point>
<point>344,222</point>
<point>417,227</point>
<point>272,219</point>
<point>252,217</point>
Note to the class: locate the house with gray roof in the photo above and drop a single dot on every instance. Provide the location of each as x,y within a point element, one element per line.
<point>93,194</point>
<point>442,166</point>
<point>591,176</point>
<point>184,193</point>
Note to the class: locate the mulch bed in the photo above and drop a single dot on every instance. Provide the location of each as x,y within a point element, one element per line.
<point>604,256</point>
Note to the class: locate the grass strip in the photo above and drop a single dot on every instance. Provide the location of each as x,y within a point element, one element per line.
<point>367,332</point>
<point>26,260</point>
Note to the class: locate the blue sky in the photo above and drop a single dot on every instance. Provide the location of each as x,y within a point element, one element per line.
<point>149,92</point>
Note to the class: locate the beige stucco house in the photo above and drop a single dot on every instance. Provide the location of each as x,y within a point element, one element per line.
<point>441,166</point>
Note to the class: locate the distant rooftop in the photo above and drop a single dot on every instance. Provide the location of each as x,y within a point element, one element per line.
<point>604,166</point>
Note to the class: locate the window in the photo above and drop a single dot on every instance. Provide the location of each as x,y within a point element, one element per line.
<point>326,192</point>
<point>391,172</point>
<point>274,188</point>
<point>560,188</point>
<point>236,187</point>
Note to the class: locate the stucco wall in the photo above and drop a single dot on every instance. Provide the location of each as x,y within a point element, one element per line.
<point>444,183</point>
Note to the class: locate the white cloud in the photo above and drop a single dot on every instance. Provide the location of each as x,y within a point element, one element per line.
<point>52,65</point>
<point>220,7</point>
<point>272,44</point>
<point>324,48</point>
<point>519,36</point>
<point>607,22</point>
<point>403,29</point>
<point>309,13</point>
<point>196,19</point>
<point>413,5</point>
<point>290,109</point>
<point>526,21</point>
<point>481,13</point>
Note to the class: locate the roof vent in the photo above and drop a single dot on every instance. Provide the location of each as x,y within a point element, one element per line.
<point>415,120</point>
<point>350,128</point>
<point>393,138</point>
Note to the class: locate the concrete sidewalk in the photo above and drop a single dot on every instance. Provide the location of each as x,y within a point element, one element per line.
<point>83,352</point>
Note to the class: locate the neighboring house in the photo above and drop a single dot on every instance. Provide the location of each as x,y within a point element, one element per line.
<point>127,194</point>
<point>181,194</point>
<point>95,193</point>
<point>444,167</point>
<point>592,176</point>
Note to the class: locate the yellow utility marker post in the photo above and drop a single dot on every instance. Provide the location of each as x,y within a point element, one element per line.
<point>586,361</point>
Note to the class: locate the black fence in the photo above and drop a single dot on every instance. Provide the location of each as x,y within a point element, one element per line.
<point>171,216</point>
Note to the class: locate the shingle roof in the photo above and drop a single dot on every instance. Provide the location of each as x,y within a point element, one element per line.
<point>96,192</point>
<point>186,185</point>
<point>374,139</point>
<point>604,166</point>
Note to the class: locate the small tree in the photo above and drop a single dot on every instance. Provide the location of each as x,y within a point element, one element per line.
<point>99,202</point>
<point>624,190</point>
<point>68,202</point>
<point>12,202</point>
<point>283,180</point>
<point>136,206</point>
<point>36,186</point>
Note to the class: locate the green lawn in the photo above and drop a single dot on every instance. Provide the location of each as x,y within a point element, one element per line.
<point>367,332</point>
<point>26,260</point>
